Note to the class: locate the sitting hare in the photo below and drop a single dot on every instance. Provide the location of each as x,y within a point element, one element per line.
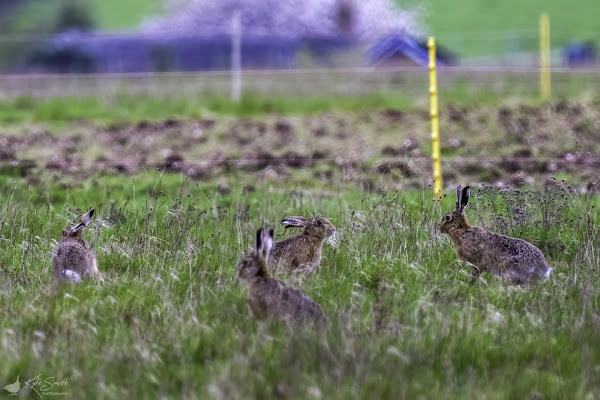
<point>72,258</point>
<point>303,251</point>
<point>269,297</point>
<point>514,259</point>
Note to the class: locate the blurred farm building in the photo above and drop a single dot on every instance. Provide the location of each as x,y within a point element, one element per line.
<point>81,52</point>
<point>197,36</point>
<point>78,52</point>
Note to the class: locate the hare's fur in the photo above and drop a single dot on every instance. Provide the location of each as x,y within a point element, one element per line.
<point>270,298</point>
<point>303,251</point>
<point>72,258</point>
<point>515,260</point>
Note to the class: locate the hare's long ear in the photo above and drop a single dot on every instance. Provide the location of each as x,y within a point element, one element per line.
<point>84,221</point>
<point>458,196</point>
<point>294,222</point>
<point>87,217</point>
<point>464,198</point>
<point>258,240</point>
<point>264,243</point>
<point>264,240</point>
<point>268,240</point>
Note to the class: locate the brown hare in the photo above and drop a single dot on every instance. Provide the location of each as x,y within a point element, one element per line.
<point>270,298</point>
<point>515,260</point>
<point>302,252</point>
<point>72,258</point>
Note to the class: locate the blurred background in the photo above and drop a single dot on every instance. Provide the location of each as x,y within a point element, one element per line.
<point>83,47</point>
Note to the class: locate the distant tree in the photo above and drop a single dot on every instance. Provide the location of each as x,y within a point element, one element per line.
<point>74,14</point>
<point>366,19</point>
<point>345,16</point>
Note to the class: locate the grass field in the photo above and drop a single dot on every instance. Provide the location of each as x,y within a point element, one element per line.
<point>178,202</point>
<point>169,319</point>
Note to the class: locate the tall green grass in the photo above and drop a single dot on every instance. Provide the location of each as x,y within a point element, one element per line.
<point>170,320</point>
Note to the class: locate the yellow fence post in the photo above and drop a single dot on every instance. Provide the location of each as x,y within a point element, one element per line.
<point>435,123</point>
<point>544,56</point>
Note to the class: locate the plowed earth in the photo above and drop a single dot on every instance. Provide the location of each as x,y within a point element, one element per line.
<point>375,150</point>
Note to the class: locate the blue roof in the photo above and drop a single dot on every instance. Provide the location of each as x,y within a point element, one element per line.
<point>406,45</point>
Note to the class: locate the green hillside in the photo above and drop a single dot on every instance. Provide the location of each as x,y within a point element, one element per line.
<point>113,14</point>
<point>39,15</point>
<point>478,26</point>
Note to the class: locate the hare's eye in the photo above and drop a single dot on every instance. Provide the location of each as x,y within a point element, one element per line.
<point>319,222</point>
<point>448,218</point>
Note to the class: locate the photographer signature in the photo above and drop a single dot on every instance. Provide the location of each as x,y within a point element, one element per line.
<point>49,386</point>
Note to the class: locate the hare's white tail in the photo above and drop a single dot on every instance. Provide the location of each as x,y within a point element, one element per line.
<point>547,275</point>
<point>72,276</point>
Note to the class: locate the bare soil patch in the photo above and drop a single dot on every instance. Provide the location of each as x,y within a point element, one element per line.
<point>519,145</point>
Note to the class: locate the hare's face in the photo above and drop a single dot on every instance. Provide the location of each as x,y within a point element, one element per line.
<point>320,227</point>
<point>453,220</point>
<point>457,219</point>
<point>247,268</point>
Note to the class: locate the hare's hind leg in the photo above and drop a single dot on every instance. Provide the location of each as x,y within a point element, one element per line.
<point>515,272</point>
<point>515,278</point>
<point>307,268</point>
<point>475,272</point>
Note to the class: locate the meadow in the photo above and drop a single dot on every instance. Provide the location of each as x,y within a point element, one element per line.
<point>169,318</point>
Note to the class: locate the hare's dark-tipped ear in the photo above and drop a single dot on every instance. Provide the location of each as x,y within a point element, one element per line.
<point>464,198</point>
<point>84,221</point>
<point>87,217</point>
<point>293,222</point>
<point>258,239</point>
<point>264,244</point>
<point>458,196</point>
